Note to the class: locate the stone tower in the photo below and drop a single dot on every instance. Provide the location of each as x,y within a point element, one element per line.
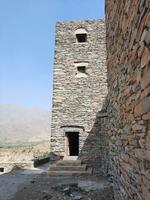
<point>79,88</point>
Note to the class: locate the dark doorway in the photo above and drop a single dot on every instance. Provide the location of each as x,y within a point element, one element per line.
<point>1,169</point>
<point>73,143</point>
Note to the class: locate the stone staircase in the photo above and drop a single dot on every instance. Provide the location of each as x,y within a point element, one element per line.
<point>70,165</point>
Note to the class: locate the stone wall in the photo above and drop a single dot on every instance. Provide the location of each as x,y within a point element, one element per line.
<point>76,98</point>
<point>128,61</point>
<point>10,166</point>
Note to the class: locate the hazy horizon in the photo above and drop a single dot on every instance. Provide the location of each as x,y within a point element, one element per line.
<point>22,124</point>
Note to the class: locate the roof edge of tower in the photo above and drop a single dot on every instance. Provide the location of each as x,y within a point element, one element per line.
<point>80,21</point>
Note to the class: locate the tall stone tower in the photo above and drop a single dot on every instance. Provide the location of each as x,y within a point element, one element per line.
<point>79,88</point>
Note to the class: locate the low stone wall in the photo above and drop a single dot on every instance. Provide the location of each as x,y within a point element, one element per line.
<point>7,167</point>
<point>128,62</point>
<point>41,161</point>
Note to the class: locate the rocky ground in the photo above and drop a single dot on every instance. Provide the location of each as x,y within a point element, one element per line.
<point>36,184</point>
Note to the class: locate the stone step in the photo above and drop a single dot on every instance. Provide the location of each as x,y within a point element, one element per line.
<point>69,163</point>
<point>67,168</point>
<point>69,173</point>
<point>70,158</point>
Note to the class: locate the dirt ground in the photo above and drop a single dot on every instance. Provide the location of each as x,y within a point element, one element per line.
<point>36,184</point>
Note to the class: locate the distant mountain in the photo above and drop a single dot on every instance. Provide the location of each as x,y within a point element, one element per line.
<point>20,124</point>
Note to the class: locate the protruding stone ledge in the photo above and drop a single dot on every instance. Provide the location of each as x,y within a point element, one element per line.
<point>101,114</point>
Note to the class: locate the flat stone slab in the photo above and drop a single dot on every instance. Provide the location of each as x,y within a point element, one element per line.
<point>70,158</point>
<point>69,162</point>
<point>69,173</point>
<point>67,168</point>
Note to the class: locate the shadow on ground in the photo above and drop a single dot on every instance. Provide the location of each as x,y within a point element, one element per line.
<point>44,187</point>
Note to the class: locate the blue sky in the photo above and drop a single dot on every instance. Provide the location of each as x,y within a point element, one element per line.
<point>27,35</point>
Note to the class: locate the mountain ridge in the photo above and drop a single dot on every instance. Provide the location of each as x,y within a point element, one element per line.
<point>21,124</point>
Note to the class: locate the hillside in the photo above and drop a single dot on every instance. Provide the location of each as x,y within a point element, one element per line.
<point>22,125</point>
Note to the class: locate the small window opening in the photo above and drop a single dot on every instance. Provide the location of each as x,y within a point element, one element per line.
<point>81,37</point>
<point>1,169</point>
<point>81,69</point>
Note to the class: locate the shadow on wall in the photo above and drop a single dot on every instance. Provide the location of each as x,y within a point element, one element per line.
<point>94,152</point>
<point>93,149</point>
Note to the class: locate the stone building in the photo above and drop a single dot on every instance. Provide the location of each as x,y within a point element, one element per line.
<point>79,90</point>
<point>112,134</point>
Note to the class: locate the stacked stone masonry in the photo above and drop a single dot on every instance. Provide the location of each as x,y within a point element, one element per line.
<point>128,65</point>
<point>120,122</point>
<point>78,97</point>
